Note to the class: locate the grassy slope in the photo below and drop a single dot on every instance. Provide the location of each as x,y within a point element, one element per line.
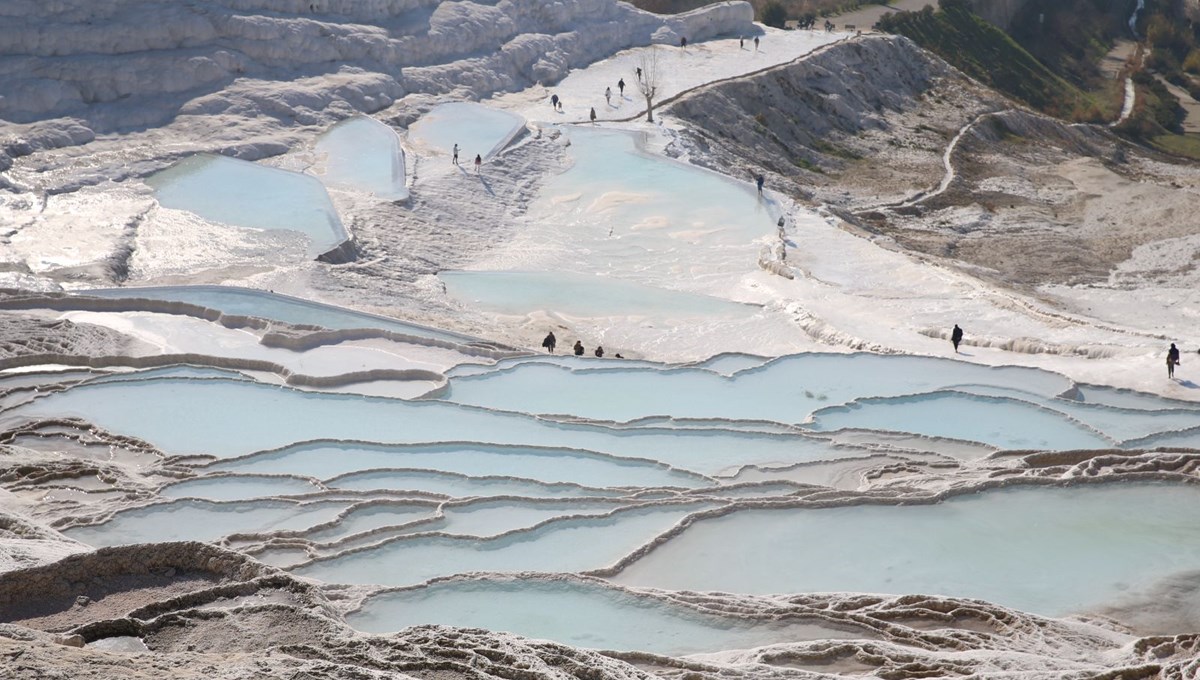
<point>989,55</point>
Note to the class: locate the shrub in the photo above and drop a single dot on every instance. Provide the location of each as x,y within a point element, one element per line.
<point>774,14</point>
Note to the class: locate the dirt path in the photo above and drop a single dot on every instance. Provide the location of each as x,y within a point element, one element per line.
<point>1114,62</point>
<point>1191,107</point>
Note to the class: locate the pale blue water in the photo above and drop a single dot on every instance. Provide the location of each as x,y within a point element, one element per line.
<point>477,129</point>
<point>569,294</point>
<point>376,515</point>
<point>227,418</point>
<point>618,203</point>
<point>1047,550</point>
<point>454,485</point>
<point>786,390</point>
<point>237,488</point>
<point>492,517</point>
<point>579,614</point>
<point>276,307</point>
<point>198,520</point>
<point>1003,423</point>
<point>362,153</point>
<point>1119,423</point>
<point>327,460</point>
<point>244,194</point>
<point>566,546</point>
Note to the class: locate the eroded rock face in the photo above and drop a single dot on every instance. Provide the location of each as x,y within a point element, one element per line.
<point>860,121</point>
<point>113,583</point>
<point>26,335</point>
<point>150,60</point>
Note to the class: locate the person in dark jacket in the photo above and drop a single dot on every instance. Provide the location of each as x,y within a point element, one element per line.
<point>578,348</point>
<point>956,337</point>
<point>1172,360</point>
<point>550,342</point>
<point>599,351</point>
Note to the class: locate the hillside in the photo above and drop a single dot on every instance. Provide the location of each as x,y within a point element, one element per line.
<point>989,55</point>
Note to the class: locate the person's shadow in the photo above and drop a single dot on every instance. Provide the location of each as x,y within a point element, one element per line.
<point>1187,383</point>
<point>486,185</point>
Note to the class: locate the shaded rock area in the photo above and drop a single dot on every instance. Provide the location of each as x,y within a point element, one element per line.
<point>868,127</point>
<point>212,613</point>
<point>1036,201</point>
<point>856,123</point>
<point>22,334</point>
<point>113,582</point>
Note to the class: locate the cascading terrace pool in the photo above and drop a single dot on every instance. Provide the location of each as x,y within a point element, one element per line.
<point>605,486</point>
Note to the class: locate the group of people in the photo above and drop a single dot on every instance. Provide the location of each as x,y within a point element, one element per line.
<point>956,338</point>
<point>478,158</point>
<point>742,43</point>
<point>550,342</point>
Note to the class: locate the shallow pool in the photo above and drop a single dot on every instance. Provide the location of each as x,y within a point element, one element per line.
<point>785,390</point>
<point>199,520</point>
<point>1046,550</point>
<point>243,194</point>
<point>364,154</point>
<point>568,545</point>
<point>581,614</point>
<point>618,205</point>
<point>476,128</point>
<point>227,418</point>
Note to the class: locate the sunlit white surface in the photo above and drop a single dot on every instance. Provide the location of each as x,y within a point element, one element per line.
<point>571,294</point>
<point>276,307</point>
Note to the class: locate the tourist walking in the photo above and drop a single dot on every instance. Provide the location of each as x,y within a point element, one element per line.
<point>456,153</point>
<point>593,115</point>
<point>956,337</point>
<point>578,348</point>
<point>608,96</point>
<point>756,43</point>
<point>759,179</point>
<point>741,42</point>
<point>478,162</point>
<point>550,342</point>
<point>621,83</point>
<point>599,351</point>
<point>554,102</point>
<point>1172,360</point>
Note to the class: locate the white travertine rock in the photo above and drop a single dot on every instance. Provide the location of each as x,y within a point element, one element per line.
<point>152,59</point>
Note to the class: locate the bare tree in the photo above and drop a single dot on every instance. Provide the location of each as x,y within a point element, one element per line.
<point>649,82</point>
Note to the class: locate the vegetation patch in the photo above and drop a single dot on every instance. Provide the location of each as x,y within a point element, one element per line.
<point>1186,145</point>
<point>990,55</point>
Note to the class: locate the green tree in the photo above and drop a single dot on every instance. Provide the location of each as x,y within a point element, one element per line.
<point>774,14</point>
